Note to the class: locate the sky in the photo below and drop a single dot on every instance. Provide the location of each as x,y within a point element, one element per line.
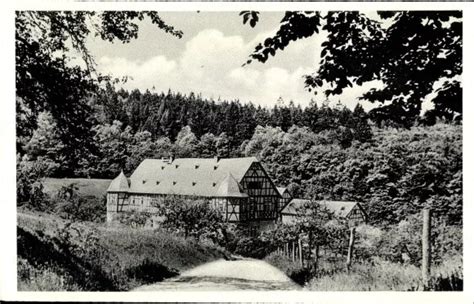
<point>208,60</point>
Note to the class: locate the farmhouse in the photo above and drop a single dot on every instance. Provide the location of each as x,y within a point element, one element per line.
<point>239,188</point>
<point>350,211</point>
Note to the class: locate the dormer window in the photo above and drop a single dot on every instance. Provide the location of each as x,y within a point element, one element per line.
<point>194,183</point>
<point>196,166</point>
<point>157,182</point>
<point>214,184</point>
<point>176,166</point>
<point>143,181</point>
<point>215,167</point>
<point>162,167</point>
<point>174,183</point>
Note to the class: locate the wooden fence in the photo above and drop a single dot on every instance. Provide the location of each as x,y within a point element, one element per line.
<point>303,254</point>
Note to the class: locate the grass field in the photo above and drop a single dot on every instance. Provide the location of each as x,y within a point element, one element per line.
<point>57,255</point>
<point>86,187</point>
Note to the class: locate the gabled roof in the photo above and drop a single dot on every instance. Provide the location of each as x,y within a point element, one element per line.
<point>119,184</point>
<point>339,208</point>
<point>229,187</point>
<point>294,205</point>
<point>282,190</point>
<point>187,176</point>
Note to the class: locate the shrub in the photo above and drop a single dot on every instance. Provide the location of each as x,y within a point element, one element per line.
<point>253,247</point>
<point>30,194</point>
<point>292,269</point>
<point>190,216</point>
<point>69,205</point>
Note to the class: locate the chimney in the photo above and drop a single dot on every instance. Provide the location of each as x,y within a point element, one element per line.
<point>216,158</point>
<point>171,158</point>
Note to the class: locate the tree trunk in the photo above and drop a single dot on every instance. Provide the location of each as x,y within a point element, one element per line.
<point>350,249</point>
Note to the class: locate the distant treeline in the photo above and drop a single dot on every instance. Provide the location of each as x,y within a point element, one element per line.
<point>164,117</point>
<point>165,114</point>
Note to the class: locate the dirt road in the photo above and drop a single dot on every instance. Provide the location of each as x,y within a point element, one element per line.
<point>223,275</point>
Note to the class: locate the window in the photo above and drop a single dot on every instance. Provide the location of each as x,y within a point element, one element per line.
<point>254,185</point>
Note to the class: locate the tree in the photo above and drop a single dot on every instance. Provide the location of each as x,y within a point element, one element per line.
<point>207,146</point>
<point>408,50</point>
<point>186,142</point>
<point>192,217</point>
<point>45,140</point>
<point>48,80</point>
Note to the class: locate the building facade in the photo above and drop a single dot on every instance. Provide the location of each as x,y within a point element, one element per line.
<point>352,212</point>
<point>239,188</point>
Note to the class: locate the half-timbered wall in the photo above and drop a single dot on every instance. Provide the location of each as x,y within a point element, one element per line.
<point>262,202</point>
<point>282,202</point>
<point>230,208</point>
<point>356,217</point>
<point>261,205</point>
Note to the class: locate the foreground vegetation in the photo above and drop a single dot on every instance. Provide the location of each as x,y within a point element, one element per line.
<point>370,275</point>
<point>60,255</point>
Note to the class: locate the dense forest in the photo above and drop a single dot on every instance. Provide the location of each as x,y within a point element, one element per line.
<point>321,151</point>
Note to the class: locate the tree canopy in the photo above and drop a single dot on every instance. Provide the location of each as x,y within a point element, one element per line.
<point>47,77</point>
<point>409,51</point>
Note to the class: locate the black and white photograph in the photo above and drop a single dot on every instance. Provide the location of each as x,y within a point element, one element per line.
<point>244,150</point>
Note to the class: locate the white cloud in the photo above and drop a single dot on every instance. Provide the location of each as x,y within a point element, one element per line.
<point>211,63</point>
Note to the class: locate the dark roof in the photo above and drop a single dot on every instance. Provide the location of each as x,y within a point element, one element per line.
<point>339,208</point>
<point>189,176</point>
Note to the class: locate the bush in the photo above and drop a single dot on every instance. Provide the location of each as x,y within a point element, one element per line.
<point>191,217</point>
<point>69,205</point>
<point>292,269</point>
<point>402,242</point>
<point>29,189</point>
<point>253,247</point>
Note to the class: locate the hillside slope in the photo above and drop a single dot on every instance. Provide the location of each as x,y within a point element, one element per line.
<point>54,254</point>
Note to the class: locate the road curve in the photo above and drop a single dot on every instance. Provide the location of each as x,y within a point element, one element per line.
<point>223,275</point>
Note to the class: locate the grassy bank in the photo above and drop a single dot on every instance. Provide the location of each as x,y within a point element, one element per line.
<point>376,275</point>
<point>54,254</point>
<point>380,275</point>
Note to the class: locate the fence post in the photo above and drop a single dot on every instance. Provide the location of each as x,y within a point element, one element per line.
<point>426,245</point>
<point>300,252</point>
<point>293,250</point>
<point>350,249</point>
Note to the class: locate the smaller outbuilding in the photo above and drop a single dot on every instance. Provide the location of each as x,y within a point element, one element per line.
<point>347,210</point>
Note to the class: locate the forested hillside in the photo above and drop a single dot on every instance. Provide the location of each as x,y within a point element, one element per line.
<point>320,151</point>
<point>124,127</point>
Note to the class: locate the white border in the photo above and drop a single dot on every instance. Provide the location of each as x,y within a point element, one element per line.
<point>8,159</point>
